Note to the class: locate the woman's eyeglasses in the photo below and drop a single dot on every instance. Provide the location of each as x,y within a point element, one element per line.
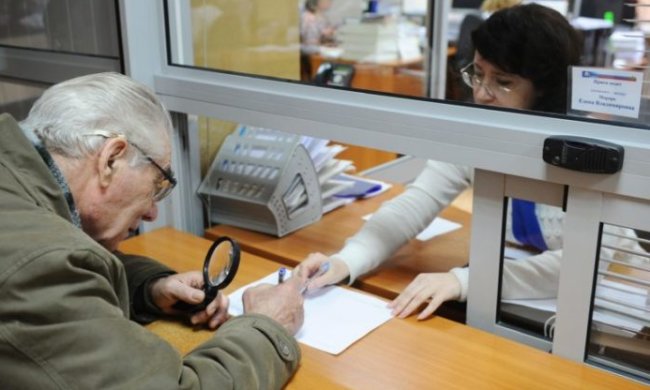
<point>473,80</point>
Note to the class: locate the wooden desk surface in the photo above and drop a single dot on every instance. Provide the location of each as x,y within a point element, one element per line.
<point>401,354</point>
<point>329,234</point>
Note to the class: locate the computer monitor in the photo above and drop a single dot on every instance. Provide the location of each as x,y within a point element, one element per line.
<point>598,8</point>
<point>414,7</point>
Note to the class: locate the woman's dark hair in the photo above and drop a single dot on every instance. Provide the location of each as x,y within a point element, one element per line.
<point>311,5</point>
<point>536,43</point>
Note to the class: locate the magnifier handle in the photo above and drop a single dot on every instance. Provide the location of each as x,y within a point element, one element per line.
<point>188,307</point>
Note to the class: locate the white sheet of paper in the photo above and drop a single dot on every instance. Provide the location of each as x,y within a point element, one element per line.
<point>330,204</point>
<point>438,227</point>
<point>324,328</point>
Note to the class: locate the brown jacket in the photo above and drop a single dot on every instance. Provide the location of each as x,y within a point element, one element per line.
<point>65,304</point>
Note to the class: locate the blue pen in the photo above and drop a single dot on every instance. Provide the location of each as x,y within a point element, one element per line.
<point>281,274</point>
<point>321,270</point>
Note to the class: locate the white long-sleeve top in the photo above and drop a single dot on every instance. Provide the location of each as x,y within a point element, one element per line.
<point>399,220</point>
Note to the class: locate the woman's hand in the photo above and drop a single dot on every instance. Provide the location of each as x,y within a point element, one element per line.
<point>337,272</point>
<point>439,287</point>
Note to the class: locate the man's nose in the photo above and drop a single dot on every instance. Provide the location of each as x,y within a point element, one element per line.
<point>151,214</point>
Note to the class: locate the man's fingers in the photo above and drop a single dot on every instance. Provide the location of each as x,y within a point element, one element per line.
<point>199,317</point>
<point>186,293</point>
<point>217,318</point>
<point>297,281</point>
<point>214,313</point>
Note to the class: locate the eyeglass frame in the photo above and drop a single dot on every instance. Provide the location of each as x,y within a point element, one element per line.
<point>168,174</point>
<point>467,79</point>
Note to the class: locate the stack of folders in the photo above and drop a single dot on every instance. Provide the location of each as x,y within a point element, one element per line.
<point>328,169</point>
<point>337,187</point>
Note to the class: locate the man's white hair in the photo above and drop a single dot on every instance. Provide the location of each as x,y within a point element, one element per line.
<point>67,112</point>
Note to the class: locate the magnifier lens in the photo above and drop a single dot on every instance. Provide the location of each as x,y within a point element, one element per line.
<point>220,263</point>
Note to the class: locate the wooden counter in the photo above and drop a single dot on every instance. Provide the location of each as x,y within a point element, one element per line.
<point>401,354</point>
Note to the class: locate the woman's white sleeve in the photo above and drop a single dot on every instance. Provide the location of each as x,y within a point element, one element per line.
<point>462,274</point>
<point>535,277</point>
<point>399,220</point>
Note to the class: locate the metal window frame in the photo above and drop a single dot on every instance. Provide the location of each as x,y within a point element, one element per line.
<point>587,211</point>
<point>486,249</point>
<point>50,67</point>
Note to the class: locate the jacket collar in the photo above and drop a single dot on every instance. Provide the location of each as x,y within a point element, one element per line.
<point>20,156</point>
<point>60,180</point>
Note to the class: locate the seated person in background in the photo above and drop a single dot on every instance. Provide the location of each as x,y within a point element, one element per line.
<point>76,178</point>
<point>315,27</point>
<point>520,61</point>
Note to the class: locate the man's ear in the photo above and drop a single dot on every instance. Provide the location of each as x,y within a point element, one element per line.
<point>111,156</point>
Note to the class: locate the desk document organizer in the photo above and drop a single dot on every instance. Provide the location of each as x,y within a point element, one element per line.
<point>262,180</point>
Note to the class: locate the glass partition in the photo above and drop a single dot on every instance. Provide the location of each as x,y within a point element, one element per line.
<point>242,165</point>
<point>337,43</point>
<point>619,335</point>
<point>386,47</point>
<point>212,133</point>
<point>532,251</point>
<point>17,97</point>
<point>74,26</point>
<point>47,41</point>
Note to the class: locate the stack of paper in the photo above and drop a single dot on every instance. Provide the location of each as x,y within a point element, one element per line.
<point>296,196</point>
<point>379,41</point>
<point>328,169</point>
<point>370,42</point>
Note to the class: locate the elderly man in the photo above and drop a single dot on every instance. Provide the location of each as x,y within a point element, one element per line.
<point>76,177</point>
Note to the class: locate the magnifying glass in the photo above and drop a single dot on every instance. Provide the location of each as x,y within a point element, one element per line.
<point>219,269</point>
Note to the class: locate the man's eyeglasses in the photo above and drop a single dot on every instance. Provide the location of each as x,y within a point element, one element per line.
<point>163,187</point>
<point>473,80</point>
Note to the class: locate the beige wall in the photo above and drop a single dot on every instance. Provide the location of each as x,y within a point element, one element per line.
<point>258,37</point>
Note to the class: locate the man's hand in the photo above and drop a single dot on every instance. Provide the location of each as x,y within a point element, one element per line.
<point>282,303</point>
<point>186,287</point>
<point>440,287</point>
